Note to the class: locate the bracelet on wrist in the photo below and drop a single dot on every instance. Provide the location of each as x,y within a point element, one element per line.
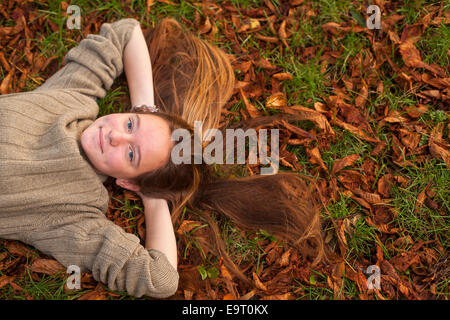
<point>142,107</point>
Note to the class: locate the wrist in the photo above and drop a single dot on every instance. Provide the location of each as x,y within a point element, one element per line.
<point>152,203</point>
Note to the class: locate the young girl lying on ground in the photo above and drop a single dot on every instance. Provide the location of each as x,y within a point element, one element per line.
<point>55,155</point>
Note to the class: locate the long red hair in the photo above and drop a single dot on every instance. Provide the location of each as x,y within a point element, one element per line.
<point>193,80</point>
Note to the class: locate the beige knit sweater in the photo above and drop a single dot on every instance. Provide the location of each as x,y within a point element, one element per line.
<point>50,196</point>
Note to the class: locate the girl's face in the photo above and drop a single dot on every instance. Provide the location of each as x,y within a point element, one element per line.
<point>125,145</point>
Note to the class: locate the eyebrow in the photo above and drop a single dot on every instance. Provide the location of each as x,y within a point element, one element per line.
<point>138,123</point>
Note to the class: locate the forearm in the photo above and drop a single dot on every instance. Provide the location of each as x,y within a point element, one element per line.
<point>138,69</point>
<point>159,229</point>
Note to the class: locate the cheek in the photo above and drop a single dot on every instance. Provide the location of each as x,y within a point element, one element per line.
<point>114,161</point>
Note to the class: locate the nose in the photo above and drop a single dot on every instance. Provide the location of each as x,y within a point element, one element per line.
<point>117,138</point>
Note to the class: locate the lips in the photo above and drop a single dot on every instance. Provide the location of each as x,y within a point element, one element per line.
<point>100,139</point>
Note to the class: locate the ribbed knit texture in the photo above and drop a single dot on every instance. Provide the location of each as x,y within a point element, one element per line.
<point>50,195</point>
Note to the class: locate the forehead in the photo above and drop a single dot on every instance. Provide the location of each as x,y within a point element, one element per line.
<point>154,141</point>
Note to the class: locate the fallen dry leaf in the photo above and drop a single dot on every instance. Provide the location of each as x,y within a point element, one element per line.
<point>437,149</point>
<point>316,158</point>
<point>276,100</point>
<point>344,162</point>
<point>47,266</point>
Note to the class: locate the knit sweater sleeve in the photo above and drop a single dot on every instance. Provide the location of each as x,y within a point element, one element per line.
<point>92,66</point>
<point>115,257</point>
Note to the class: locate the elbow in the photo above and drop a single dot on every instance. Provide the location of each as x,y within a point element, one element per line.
<point>164,276</point>
<point>166,288</point>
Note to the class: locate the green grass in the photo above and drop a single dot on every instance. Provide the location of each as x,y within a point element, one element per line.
<point>47,288</point>
<point>331,11</point>
<point>110,103</point>
<point>426,224</point>
<point>411,9</point>
<point>435,44</point>
<point>308,81</point>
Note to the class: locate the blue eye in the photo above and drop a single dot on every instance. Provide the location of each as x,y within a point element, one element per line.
<point>130,123</point>
<point>131,154</point>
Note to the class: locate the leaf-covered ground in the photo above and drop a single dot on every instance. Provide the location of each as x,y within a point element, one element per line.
<point>375,137</point>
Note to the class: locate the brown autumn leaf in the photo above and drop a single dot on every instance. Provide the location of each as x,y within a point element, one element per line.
<point>284,296</point>
<point>349,224</point>
<point>409,139</point>
<point>283,35</point>
<point>338,270</point>
<point>344,162</point>
<point>168,2</point>
<point>342,240</point>
<point>241,85</point>
<point>266,38</point>
<point>273,254</point>
<point>47,266</point>
<point>382,227</point>
<point>332,27</point>
<point>244,67</point>
<point>19,249</point>
<point>312,115</point>
<point>289,159</point>
<point>352,179</point>
<point>384,185</point>
<point>278,283</point>
<point>359,200</point>
<point>258,282</point>
<point>411,57</point>
<point>264,63</point>
<point>393,117</point>
<point>420,199</point>
<point>248,295</point>
<point>4,280</point>
<point>358,277</point>
<point>206,27</point>
<point>282,76</point>
<point>353,115</point>
<point>371,198</point>
<point>378,149</point>
<point>379,254</point>
<point>439,83</point>
<point>436,94</point>
<point>3,255</point>
<point>437,148</point>
<point>316,158</point>
<point>251,109</point>
<point>404,260</point>
<point>5,85</point>
<point>4,62</point>
<point>229,296</point>
<point>416,111</point>
<point>249,25</point>
<point>296,130</point>
<point>354,130</point>
<point>284,260</point>
<point>225,273</point>
<point>94,295</point>
<point>187,225</point>
<point>277,100</point>
<point>321,107</point>
<point>403,241</point>
<point>389,274</point>
<point>140,221</point>
<point>38,64</point>
<point>361,99</point>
